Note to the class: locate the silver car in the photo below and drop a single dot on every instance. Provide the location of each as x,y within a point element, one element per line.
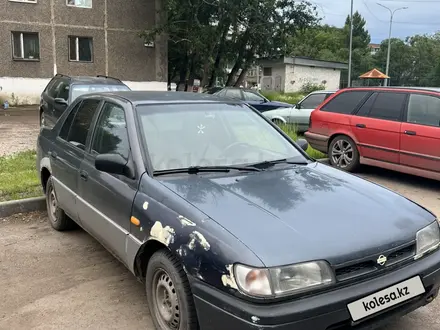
<point>299,114</point>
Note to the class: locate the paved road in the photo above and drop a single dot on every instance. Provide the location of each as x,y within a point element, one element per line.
<point>51,280</point>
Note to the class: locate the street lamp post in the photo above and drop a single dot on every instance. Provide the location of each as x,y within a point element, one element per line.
<point>351,46</point>
<point>392,12</point>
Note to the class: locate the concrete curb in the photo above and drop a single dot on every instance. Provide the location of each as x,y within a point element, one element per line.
<point>22,206</point>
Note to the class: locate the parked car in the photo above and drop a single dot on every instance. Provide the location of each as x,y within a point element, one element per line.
<point>228,222</point>
<point>63,90</point>
<point>298,114</point>
<point>393,128</point>
<point>249,96</point>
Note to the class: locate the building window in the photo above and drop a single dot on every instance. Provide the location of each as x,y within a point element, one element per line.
<point>267,71</point>
<point>25,46</point>
<point>80,49</point>
<point>80,3</point>
<point>25,1</point>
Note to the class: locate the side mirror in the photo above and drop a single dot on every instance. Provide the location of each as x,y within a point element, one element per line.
<point>111,163</point>
<point>303,144</point>
<point>60,100</point>
<point>298,106</point>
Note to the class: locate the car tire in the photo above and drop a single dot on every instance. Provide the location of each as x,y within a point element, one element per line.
<point>169,294</point>
<point>57,217</point>
<point>343,153</point>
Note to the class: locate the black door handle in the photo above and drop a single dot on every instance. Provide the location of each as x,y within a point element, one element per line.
<point>361,125</point>
<point>53,154</point>
<point>410,133</point>
<point>84,175</point>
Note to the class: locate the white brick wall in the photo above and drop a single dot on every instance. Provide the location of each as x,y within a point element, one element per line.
<point>298,75</point>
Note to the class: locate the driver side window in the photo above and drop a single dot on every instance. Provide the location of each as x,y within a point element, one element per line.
<point>111,136</point>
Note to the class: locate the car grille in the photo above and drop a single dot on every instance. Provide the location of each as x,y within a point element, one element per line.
<point>370,265</point>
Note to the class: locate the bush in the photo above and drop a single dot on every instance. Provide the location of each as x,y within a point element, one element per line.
<point>309,87</point>
<point>291,98</point>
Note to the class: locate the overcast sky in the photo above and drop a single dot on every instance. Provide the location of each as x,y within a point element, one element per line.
<point>422,16</point>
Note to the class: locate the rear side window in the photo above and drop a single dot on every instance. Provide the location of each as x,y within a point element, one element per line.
<point>388,106</point>
<point>345,103</point>
<point>424,110</point>
<point>234,94</point>
<point>52,90</point>
<point>81,124</point>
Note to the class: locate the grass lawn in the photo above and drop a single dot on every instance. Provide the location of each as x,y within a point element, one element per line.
<point>18,177</point>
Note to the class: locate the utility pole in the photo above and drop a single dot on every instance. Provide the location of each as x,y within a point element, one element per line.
<point>392,12</point>
<point>351,46</point>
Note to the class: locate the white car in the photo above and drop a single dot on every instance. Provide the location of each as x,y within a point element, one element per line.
<point>299,114</point>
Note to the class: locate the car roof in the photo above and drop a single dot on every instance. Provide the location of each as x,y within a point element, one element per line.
<point>96,80</point>
<point>324,91</point>
<point>155,97</point>
<point>430,89</point>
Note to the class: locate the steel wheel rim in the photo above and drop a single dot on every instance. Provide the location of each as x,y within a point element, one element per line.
<point>165,300</point>
<point>52,205</point>
<point>342,153</point>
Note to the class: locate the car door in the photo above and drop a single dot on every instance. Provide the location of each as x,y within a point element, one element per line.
<point>376,125</point>
<point>420,133</point>
<point>68,153</point>
<point>300,114</point>
<point>106,199</point>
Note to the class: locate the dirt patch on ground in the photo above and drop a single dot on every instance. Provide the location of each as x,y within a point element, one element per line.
<point>19,128</point>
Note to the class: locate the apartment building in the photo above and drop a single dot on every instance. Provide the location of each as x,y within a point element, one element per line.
<point>78,37</point>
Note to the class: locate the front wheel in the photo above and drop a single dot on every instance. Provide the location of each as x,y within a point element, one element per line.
<point>168,293</point>
<point>343,153</point>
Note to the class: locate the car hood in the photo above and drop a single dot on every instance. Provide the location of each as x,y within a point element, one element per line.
<point>279,104</point>
<point>304,213</point>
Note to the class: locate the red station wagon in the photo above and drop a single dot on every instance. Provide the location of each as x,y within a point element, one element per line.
<point>391,127</point>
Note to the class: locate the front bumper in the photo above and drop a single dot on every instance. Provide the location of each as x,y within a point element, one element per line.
<point>327,311</point>
<point>317,141</point>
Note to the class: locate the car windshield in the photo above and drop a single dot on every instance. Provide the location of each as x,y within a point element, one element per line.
<point>78,90</point>
<point>210,134</point>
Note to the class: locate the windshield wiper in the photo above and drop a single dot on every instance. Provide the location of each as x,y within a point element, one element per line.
<point>198,169</point>
<point>270,163</point>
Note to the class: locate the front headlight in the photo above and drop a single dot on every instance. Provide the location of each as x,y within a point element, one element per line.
<point>428,239</point>
<point>281,281</point>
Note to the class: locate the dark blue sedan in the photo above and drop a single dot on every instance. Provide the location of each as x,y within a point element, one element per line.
<point>228,222</point>
<point>249,96</point>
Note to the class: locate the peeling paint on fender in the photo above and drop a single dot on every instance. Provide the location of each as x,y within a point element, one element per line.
<point>196,236</point>
<point>164,235</point>
<point>228,279</point>
<point>185,221</point>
